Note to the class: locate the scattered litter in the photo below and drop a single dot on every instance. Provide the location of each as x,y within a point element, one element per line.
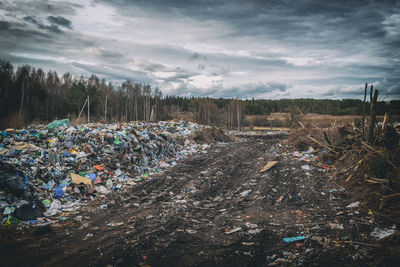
<point>251,225</point>
<point>254,231</point>
<point>268,166</point>
<point>279,262</point>
<point>89,235</point>
<point>237,229</point>
<point>380,233</point>
<point>294,239</point>
<point>115,224</point>
<point>353,205</point>
<point>305,167</point>
<point>77,179</point>
<point>245,193</point>
<point>336,226</point>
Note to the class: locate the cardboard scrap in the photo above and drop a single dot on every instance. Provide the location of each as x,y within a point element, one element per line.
<point>23,145</point>
<point>77,179</point>
<point>4,151</point>
<point>268,166</point>
<point>237,229</point>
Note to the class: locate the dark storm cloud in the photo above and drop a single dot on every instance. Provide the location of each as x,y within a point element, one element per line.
<point>31,19</point>
<point>4,25</point>
<point>394,90</point>
<point>15,32</point>
<point>304,22</point>
<point>214,47</point>
<point>60,21</point>
<point>114,72</point>
<point>51,28</point>
<point>40,7</point>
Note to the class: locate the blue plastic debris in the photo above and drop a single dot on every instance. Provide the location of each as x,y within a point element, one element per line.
<point>294,239</point>
<point>58,192</point>
<point>92,176</point>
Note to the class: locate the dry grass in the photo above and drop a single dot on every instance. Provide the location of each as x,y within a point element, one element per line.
<point>309,120</point>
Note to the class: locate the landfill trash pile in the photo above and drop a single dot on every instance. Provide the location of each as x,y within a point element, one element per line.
<point>49,169</point>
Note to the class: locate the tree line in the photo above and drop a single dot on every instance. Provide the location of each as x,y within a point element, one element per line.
<point>29,94</point>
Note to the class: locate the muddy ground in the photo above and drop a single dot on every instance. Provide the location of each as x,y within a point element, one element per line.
<point>213,209</point>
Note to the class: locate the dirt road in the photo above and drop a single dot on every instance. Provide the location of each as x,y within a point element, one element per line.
<point>213,209</point>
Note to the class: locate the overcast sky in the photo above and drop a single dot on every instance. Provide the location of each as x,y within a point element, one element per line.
<point>235,48</point>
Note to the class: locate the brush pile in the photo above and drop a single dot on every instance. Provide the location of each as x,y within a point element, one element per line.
<point>211,135</point>
<point>370,169</point>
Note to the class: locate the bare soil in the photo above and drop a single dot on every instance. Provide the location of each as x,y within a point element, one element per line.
<point>183,217</point>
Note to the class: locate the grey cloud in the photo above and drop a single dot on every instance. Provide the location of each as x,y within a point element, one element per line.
<point>114,72</point>
<point>246,91</point>
<point>179,77</point>
<point>34,20</point>
<point>183,89</point>
<point>40,7</point>
<point>4,25</point>
<point>344,92</point>
<point>149,66</point>
<point>385,90</point>
<point>393,90</point>
<point>110,55</point>
<point>14,31</point>
<point>31,19</point>
<point>255,90</point>
<point>60,21</point>
<point>196,56</point>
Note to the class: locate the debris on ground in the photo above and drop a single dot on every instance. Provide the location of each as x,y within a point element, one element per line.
<point>370,171</point>
<point>269,165</point>
<point>207,205</point>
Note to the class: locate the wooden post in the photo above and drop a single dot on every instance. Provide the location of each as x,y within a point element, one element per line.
<point>372,115</point>
<point>238,113</point>
<point>84,104</point>
<point>105,110</point>
<point>363,119</point>
<point>21,107</point>
<point>88,109</point>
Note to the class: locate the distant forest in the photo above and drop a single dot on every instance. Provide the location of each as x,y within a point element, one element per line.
<point>29,94</point>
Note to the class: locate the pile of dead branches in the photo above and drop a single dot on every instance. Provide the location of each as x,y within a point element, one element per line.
<point>371,169</point>
<point>211,135</point>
